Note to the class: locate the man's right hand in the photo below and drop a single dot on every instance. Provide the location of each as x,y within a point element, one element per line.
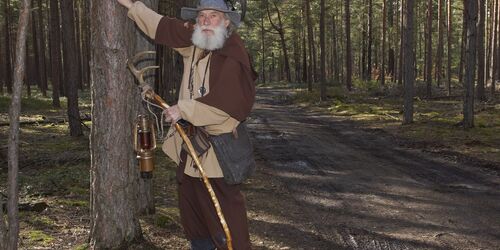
<point>126,3</point>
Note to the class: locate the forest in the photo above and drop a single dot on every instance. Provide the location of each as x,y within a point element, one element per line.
<point>376,125</point>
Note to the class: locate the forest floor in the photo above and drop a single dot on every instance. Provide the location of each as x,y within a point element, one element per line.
<point>340,174</point>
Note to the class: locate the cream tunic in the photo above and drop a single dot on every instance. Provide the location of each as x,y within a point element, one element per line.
<point>215,121</point>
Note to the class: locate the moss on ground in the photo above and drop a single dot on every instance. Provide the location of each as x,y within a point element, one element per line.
<point>435,120</point>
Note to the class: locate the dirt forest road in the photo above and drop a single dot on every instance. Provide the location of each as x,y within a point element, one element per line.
<point>322,183</point>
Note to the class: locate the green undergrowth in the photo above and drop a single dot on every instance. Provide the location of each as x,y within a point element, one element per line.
<point>436,121</point>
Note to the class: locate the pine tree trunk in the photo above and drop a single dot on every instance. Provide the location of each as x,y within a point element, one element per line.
<point>348,56</point>
<point>322,31</point>
<point>13,141</point>
<point>409,61</point>
<point>114,171</point>
<point>370,39</point>
<point>78,44</point>
<point>335,53</point>
<point>450,41</point>
<point>470,9</point>
<point>495,46</point>
<point>42,69</point>
<point>263,46</point>
<point>310,43</point>
<point>401,45</point>
<point>384,31</point>
<point>8,57</point>
<point>462,48</point>
<point>480,51</point>
<point>281,32</point>
<point>55,52</point>
<point>428,49</point>
<point>440,47</point>
<point>71,79</point>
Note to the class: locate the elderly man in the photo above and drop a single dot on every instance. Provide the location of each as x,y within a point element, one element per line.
<point>217,93</point>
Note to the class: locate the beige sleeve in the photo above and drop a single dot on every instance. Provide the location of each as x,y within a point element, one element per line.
<point>146,19</point>
<point>215,120</point>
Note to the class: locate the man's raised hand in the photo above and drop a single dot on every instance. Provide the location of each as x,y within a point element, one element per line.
<point>126,3</point>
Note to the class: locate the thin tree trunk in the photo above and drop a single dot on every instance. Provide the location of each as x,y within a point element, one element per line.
<point>8,57</point>
<point>428,50</point>
<point>55,52</point>
<point>305,73</point>
<point>480,51</point>
<point>470,9</point>
<point>495,47</point>
<point>310,43</point>
<point>281,32</point>
<point>114,173</point>
<point>335,53</point>
<point>78,44</point>
<point>71,79</point>
<point>462,48</point>
<point>42,69</point>
<point>14,114</point>
<point>370,39</point>
<point>450,41</point>
<point>33,61</point>
<point>401,45</point>
<point>348,56</point>
<point>384,31</point>
<point>409,61</point>
<point>440,47</point>
<point>322,31</point>
<point>263,46</point>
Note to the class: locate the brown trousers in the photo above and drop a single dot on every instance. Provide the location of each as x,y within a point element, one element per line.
<point>199,217</point>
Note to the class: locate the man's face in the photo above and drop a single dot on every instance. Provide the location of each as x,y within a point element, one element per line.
<point>209,20</point>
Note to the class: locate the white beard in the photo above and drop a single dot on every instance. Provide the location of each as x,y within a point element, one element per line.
<point>209,42</point>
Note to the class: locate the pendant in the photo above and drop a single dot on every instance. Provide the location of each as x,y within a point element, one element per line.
<point>202,91</point>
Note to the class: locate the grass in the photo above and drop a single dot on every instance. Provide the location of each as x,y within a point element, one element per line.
<point>37,237</point>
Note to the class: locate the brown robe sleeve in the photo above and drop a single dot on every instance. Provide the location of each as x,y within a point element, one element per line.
<point>172,33</point>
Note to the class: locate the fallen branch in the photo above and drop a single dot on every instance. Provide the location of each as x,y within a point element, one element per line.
<point>46,121</point>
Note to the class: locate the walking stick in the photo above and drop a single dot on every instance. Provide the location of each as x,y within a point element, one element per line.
<point>152,96</point>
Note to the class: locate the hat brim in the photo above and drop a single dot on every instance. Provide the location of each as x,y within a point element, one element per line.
<point>192,13</point>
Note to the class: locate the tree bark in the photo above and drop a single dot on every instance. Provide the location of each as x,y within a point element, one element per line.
<point>281,32</point>
<point>78,43</point>
<point>348,56</point>
<point>322,31</point>
<point>71,78</point>
<point>495,47</point>
<point>42,69</point>
<point>370,39</point>
<point>462,48</point>
<point>310,43</point>
<point>263,45</point>
<point>480,51</point>
<point>335,53</point>
<point>55,52</point>
<point>470,9</point>
<point>428,50</point>
<point>114,172</point>
<point>440,48</point>
<point>450,41</point>
<point>409,61</point>
<point>8,57</point>
<point>384,31</point>
<point>14,113</point>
